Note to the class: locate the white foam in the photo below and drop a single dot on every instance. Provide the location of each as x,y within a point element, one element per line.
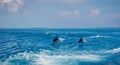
<point>4,63</point>
<point>47,33</point>
<point>98,36</point>
<point>57,58</point>
<point>116,50</point>
<point>84,40</point>
<point>104,51</point>
<point>61,39</point>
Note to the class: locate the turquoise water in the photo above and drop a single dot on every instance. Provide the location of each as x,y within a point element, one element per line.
<point>32,47</point>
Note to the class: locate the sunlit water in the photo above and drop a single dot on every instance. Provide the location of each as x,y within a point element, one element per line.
<point>33,47</point>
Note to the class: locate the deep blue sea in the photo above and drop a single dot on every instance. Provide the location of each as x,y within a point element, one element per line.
<point>101,46</point>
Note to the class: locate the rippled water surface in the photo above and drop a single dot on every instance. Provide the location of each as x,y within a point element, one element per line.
<point>33,47</point>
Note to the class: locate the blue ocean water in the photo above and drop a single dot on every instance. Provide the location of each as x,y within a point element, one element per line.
<point>33,47</point>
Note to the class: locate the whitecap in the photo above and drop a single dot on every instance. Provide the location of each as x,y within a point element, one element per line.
<point>47,33</point>
<point>61,59</point>
<point>115,50</point>
<point>98,36</point>
<point>44,58</point>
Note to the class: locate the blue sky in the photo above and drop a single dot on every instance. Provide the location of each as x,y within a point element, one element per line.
<point>59,13</point>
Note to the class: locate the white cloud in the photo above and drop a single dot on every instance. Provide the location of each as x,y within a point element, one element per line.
<point>70,13</point>
<point>95,12</point>
<point>11,5</point>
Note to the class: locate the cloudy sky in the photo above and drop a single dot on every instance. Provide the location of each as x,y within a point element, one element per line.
<point>59,13</point>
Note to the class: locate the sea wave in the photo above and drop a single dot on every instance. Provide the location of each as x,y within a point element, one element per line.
<point>99,36</point>
<point>105,51</point>
<point>21,47</point>
<point>115,50</point>
<point>47,57</point>
<point>57,59</point>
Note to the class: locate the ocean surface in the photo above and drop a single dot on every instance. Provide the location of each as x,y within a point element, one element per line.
<point>33,46</point>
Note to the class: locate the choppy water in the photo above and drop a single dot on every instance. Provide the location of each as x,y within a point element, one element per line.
<point>32,47</point>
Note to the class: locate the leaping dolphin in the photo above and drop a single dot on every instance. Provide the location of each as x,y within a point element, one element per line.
<point>55,40</point>
<point>80,41</point>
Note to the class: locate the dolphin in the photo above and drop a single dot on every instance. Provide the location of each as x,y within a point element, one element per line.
<point>55,40</point>
<point>80,41</point>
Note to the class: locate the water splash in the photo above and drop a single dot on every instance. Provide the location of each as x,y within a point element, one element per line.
<point>99,36</point>
<point>115,50</point>
<point>47,57</point>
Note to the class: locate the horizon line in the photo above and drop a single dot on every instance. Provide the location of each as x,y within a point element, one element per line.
<point>60,28</point>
